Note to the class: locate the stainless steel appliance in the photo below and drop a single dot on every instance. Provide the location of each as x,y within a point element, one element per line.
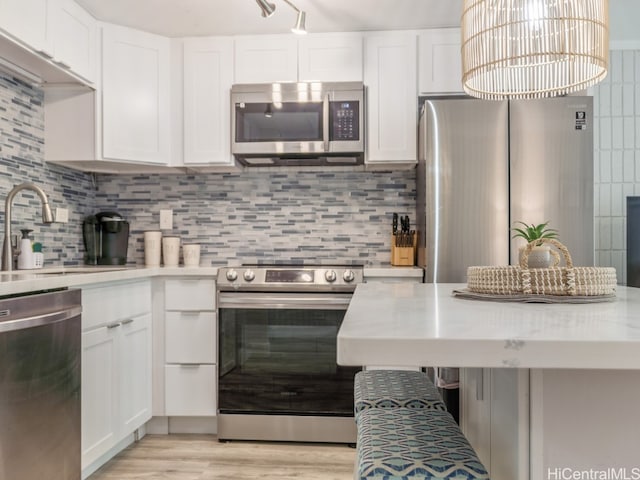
<point>298,123</point>
<point>40,352</point>
<point>106,239</point>
<point>278,376</point>
<point>484,165</point>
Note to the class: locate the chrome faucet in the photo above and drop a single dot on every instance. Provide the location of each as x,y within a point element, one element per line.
<point>47,217</point>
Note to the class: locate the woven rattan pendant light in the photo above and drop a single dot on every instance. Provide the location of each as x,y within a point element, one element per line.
<point>533,48</point>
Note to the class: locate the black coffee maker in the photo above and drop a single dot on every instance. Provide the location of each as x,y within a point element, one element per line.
<point>106,238</point>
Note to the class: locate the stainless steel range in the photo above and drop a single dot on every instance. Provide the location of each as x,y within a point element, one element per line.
<point>278,376</point>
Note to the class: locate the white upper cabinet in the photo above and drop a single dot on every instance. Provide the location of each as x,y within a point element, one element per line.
<point>330,58</point>
<point>288,58</point>
<point>60,32</point>
<point>28,22</point>
<point>208,76</point>
<point>266,59</point>
<point>440,62</point>
<point>391,80</point>
<point>74,39</point>
<point>135,96</point>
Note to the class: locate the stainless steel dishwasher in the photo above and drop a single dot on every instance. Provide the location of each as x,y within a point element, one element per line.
<point>40,350</point>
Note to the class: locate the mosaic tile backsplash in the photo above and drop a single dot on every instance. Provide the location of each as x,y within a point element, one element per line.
<point>22,160</point>
<point>327,216</point>
<point>268,217</point>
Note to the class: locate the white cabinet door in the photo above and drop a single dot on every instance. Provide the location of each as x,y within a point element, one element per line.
<point>135,95</point>
<point>266,59</point>
<point>190,337</point>
<point>390,76</point>
<point>74,36</point>
<point>208,76</point>
<point>190,294</point>
<point>99,393</point>
<point>330,58</point>
<point>440,62</point>
<point>475,411</point>
<point>28,22</point>
<point>495,419</point>
<point>135,372</point>
<point>190,390</point>
<point>509,424</point>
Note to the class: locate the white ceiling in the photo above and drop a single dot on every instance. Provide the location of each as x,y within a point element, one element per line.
<point>180,18</point>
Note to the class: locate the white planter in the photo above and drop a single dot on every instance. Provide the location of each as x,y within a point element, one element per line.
<point>540,257</point>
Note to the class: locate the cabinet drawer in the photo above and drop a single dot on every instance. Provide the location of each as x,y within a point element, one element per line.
<point>190,390</point>
<point>114,303</point>
<point>190,337</point>
<point>191,295</point>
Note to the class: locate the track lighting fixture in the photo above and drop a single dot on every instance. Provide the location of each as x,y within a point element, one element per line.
<point>268,9</point>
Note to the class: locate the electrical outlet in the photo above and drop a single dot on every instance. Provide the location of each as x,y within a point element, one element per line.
<point>166,219</point>
<point>62,215</point>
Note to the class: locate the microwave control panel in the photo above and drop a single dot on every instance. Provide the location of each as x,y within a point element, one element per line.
<point>345,121</point>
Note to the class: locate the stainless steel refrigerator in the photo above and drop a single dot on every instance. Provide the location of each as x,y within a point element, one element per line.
<point>484,165</point>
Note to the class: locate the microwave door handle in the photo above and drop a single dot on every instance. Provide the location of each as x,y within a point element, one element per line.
<point>325,122</point>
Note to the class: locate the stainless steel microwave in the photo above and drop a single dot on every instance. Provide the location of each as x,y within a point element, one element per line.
<point>311,123</point>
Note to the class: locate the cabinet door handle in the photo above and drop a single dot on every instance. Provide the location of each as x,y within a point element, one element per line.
<point>189,365</point>
<point>113,325</point>
<point>127,321</point>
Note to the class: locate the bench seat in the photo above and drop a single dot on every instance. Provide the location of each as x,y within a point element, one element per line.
<point>414,444</point>
<point>393,389</point>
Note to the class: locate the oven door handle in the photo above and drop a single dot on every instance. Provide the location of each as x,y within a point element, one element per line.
<point>282,301</point>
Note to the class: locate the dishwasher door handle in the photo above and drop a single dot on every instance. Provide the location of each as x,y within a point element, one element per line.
<point>38,320</point>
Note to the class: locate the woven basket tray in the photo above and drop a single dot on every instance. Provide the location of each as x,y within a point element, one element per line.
<point>567,280</point>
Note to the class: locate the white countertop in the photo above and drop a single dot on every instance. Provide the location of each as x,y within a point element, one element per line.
<point>405,324</point>
<point>21,281</point>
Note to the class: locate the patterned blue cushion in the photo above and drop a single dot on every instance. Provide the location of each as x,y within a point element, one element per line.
<point>394,389</point>
<point>414,444</point>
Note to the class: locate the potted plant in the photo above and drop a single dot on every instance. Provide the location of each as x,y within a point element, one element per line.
<point>541,256</point>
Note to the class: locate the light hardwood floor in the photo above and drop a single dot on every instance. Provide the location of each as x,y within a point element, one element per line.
<point>202,457</point>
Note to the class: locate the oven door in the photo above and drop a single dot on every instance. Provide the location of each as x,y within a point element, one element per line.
<point>278,355</point>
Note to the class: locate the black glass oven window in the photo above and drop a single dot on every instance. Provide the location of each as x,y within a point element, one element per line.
<point>286,122</point>
<point>345,121</point>
<point>282,361</point>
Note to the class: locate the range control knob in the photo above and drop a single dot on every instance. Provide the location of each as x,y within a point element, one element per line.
<point>349,276</point>
<point>232,275</point>
<point>330,276</point>
<point>249,275</point>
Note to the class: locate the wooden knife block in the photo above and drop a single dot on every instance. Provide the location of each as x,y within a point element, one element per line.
<point>403,256</point>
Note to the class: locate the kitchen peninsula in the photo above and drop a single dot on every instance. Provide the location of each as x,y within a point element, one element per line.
<point>563,379</point>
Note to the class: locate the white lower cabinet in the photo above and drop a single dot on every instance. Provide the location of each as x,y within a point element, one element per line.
<point>190,390</point>
<point>99,393</point>
<point>116,369</point>
<point>494,416</point>
<point>190,348</point>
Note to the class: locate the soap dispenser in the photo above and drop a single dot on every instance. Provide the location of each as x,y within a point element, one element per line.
<point>25,259</point>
